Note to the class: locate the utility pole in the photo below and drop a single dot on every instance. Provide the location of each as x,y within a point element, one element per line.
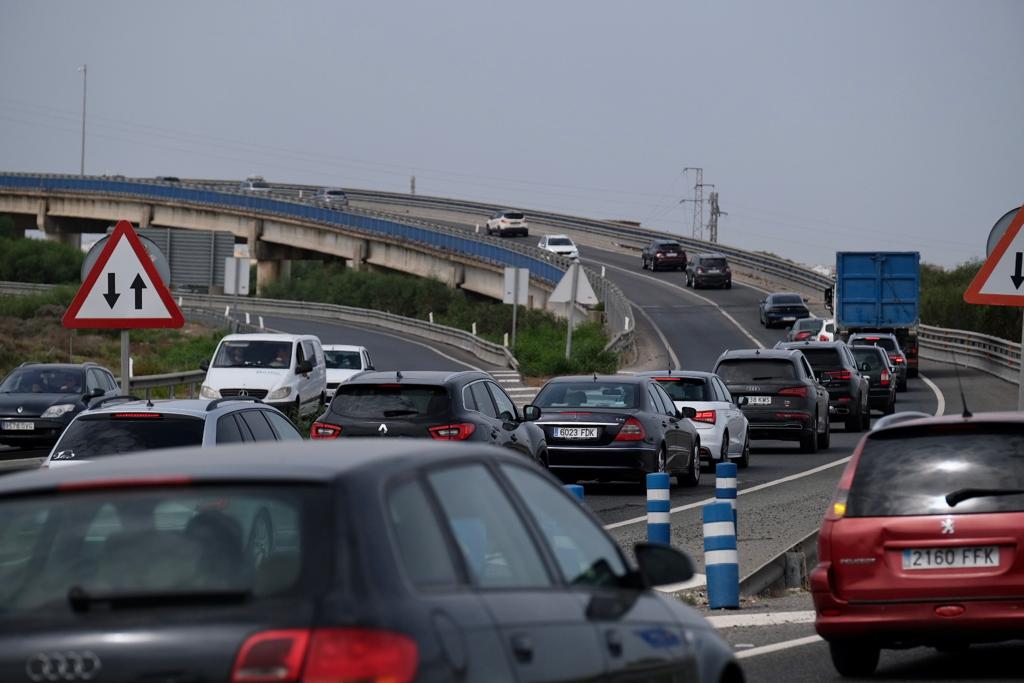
<point>698,202</point>
<point>85,78</point>
<point>713,220</point>
<point>412,185</point>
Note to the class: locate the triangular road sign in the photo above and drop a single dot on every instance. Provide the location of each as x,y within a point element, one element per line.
<point>563,291</point>
<point>123,290</point>
<point>1001,278</point>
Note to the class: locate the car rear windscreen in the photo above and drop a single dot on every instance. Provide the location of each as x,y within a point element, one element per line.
<point>882,342</point>
<point>513,215</point>
<point>900,474</point>
<point>94,436</point>
<point>806,324</point>
<point>713,262</point>
<point>66,553</point>
<point>824,359</point>
<point>668,246</point>
<point>745,370</point>
<point>390,401</point>
<point>869,355</point>
<point>588,395</point>
<point>686,388</point>
<point>787,299</point>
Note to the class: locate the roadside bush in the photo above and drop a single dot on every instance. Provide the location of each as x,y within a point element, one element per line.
<point>28,260</point>
<point>942,303</point>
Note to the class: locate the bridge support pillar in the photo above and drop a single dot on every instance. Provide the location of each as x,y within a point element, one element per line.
<point>146,217</point>
<point>456,276</point>
<point>360,251</point>
<point>52,229</point>
<point>271,270</point>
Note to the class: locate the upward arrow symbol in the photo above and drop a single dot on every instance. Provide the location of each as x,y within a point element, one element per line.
<point>1017,277</point>
<point>138,285</point>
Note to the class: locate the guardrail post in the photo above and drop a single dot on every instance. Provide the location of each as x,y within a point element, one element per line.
<point>725,489</point>
<point>721,560</point>
<point>659,526</point>
<point>576,490</point>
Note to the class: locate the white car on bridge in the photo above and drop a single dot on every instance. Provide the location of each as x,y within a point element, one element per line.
<point>559,244</point>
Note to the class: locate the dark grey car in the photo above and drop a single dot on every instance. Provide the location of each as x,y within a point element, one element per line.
<point>874,363</point>
<point>782,309</point>
<point>839,372</point>
<point>708,270</point>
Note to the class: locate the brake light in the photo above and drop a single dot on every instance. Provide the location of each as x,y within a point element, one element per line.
<point>705,416</point>
<point>658,254</point>
<point>872,338</point>
<point>794,391</point>
<point>897,359</point>
<point>324,430</point>
<point>700,269</point>
<point>666,379</point>
<point>453,432</point>
<point>822,337</point>
<point>632,430</point>
<point>800,336</point>
<point>839,375</point>
<point>135,416</point>
<point>885,378</point>
<point>328,654</point>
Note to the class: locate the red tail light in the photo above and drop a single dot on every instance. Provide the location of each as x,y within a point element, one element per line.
<point>839,375</point>
<point>324,430</point>
<point>700,269</point>
<point>705,416</point>
<point>326,655</point>
<point>800,336</point>
<point>822,337</point>
<point>897,359</point>
<point>453,432</point>
<point>885,378</point>
<point>794,391</point>
<point>632,430</point>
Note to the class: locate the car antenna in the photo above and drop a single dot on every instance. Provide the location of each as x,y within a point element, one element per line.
<point>960,385</point>
<point>149,402</point>
<point>398,374</point>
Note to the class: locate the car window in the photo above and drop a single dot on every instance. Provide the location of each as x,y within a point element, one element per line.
<point>685,388</point>
<point>93,381</point>
<point>241,353</point>
<point>109,380</point>
<point>93,436</point>
<point>309,352</point>
<point>259,427</point>
<point>869,355</point>
<point>830,327</point>
<point>583,551</point>
<point>808,370</point>
<point>484,403</point>
<point>418,537</point>
<point>468,401</point>
<point>496,546</point>
<point>503,402</point>
<point>824,359</point>
<point>589,394</point>
<point>285,429</point>
<point>227,430</point>
<point>656,404</point>
<point>723,390</point>
<point>670,406</point>
<point>739,370</point>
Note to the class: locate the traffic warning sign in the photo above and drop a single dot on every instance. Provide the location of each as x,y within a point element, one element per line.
<point>1000,280</point>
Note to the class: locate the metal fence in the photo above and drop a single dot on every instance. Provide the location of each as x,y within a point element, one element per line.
<point>994,355</point>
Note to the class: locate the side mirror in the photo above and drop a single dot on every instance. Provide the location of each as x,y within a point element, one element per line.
<point>303,368</point>
<point>662,565</point>
<point>204,364</point>
<point>531,413</point>
<point>687,412</point>
<point>742,401</point>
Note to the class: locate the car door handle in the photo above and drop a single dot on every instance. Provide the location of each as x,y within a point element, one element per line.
<point>513,437</point>
<point>613,639</point>
<point>522,647</point>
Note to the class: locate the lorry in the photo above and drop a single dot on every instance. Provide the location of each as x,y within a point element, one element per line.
<point>878,291</point>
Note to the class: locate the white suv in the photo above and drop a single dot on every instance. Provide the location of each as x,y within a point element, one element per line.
<point>344,362</point>
<point>287,371</point>
<point>559,244</point>
<point>507,223</point>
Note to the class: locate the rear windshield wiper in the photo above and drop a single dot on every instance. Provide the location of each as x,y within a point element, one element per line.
<point>81,600</point>
<point>397,413</point>
<point>960,495</point>
<point>761,379</point>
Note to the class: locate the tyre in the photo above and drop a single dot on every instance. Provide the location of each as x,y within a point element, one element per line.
<point>692,475</point>
<point>643,263</point>
<point>825,440</point>
<point>728,284</point>
<point>743,462</point>
<point>260,545</point>
<point>891,408</point>
<point>809,440</point>
<point>854,421</point>
<point>866,416</point>
<point>911,372</point>
<point>854,660</point>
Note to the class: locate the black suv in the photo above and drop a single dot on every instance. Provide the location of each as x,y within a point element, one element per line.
<point>446,406</point>
<point>779,395</point>
<point>38,400</point>
<point>782,309</point>
<point>839,372</point>
<point>891,345</point>
<point>708,270</point>
<point>663,254</point>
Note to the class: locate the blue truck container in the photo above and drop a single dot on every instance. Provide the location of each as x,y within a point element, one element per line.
<point>880,291</point>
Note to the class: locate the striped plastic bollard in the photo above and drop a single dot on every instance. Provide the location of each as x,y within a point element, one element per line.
<point>721,561</point>
<point>576,490</point>
<point>725,489</point>
<point>659,528</point>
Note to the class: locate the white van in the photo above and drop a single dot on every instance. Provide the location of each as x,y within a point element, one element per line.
<point>287,371</point>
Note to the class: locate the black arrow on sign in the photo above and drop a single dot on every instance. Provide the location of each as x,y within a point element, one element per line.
<point>138,285</point>
<point>1017,277</point>
<point>111,296</point>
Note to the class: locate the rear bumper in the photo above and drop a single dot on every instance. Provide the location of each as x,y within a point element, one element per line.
<point>712,280</point>
<point>630,462</point>
<point>668,262</point>
<point>880,397</point>
<point>781,425</point>
<point>513,232</point>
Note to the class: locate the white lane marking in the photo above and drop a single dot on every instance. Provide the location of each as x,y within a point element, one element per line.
<point>752,489</point>
<point>761,619</point>
<point>721,310</point>
<point>661,335</point>
<point>940,409</point>
<point>775,647</point>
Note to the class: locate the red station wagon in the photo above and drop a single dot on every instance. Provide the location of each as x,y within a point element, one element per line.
<point>924,542</point>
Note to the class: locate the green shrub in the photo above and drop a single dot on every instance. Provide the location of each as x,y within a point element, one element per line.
<point>943,305</point>
<point>28,260</point>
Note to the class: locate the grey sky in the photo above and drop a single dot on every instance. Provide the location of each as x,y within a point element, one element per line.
<point>860,125</point>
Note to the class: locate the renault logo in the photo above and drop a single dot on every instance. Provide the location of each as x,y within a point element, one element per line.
<point>21,409</point>
<point>62,666</point>
<point>383,429</point>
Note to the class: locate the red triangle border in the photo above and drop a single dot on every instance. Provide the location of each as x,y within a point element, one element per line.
<point>973,294</point>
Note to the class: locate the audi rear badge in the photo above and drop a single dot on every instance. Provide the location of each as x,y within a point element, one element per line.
<point>63,666</point>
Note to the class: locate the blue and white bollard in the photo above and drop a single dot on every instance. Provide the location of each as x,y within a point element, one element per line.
<point>659,528</point>
<point>576,490</point>
<point>725,489</point>
<point>721,561</point>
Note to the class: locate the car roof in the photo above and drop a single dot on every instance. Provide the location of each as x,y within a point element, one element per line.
<point>786,294</point>
<point>60,366</point>
<point>268,336</point>
<point>562,236</point>
<point>342,347</point>
<point>915,424</point>
<point>772,354</point>
<point>619,379</point>
<point>711,254</point>
<point>808,344</point>
<point>304,462</point>
<point>868,335</point>
<point>697,374</point>
<point>193,407</point>
<point>416,376</point>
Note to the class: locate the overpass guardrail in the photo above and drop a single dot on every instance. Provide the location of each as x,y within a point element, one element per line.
<point>993,355</point>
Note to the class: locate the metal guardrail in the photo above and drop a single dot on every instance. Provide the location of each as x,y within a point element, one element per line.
<point>994,355</point>
<point>145,384</point>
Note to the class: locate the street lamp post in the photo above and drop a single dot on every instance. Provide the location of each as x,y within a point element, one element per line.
<point>85,78</point>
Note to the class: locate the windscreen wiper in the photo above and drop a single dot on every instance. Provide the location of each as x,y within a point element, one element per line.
<point>960,495</point>
<point>81,600</point>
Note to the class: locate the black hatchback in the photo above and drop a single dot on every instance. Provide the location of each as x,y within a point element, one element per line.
<point>394,560</point>
<point>445,406</point>
<point>615,428</point>
<point>782,309</point>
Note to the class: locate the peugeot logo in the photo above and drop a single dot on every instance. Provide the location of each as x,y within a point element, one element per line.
<point>383,429</point>
<point>243,392</point>
<point>63,666</point>
<point>947,526</point>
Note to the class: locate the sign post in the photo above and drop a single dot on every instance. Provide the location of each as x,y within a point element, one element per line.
<point>517,290</point>
<point>574,288</point>
<point>999,281</point>
<point>123,290</point>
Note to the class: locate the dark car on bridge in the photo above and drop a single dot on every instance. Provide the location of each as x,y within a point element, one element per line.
<point>398,560</point>
<point>663,254</point>
<point>874,363</point>
<point>445,406</point>
<point>839,372</point>
<point>779,394</point>
<point>708,270</point>
<point>38,400</point>
<point>617,428</point>
<point>782,309</point>
<point>921,545</point>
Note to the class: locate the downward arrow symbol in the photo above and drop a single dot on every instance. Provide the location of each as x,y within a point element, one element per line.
<point>1017,277</point>
<point>112,296</point>
<point>138,285</point>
